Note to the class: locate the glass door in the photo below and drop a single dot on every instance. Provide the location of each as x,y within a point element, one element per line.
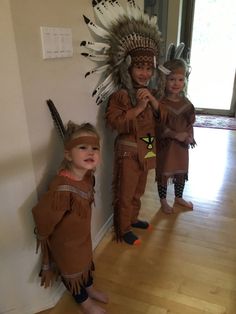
<point>212,57</point>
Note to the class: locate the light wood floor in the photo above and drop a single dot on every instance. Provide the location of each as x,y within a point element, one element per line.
<point>187,263</point>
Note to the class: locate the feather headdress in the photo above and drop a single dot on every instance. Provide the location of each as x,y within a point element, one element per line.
<point>174,54</point>
<point>123,34</point>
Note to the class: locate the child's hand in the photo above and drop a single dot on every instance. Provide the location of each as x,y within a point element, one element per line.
<point>142,101</point>
<point>144,93</point>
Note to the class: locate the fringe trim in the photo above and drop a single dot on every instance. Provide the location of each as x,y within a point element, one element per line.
<point>61,201</point>
<point>81,206</point>
<point>72,189</point>
<point>72,202</point>
<point>172,179</point>
<point>75,282</point>
<point>116,191</point>
<point>43,243</point>
<point>116,187</point>
<point>48,273</point>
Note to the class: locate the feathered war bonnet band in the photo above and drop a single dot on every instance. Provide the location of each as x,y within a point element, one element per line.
<point>126,37</point>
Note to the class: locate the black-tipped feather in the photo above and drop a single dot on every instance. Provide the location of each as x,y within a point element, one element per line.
<point>56,118</point>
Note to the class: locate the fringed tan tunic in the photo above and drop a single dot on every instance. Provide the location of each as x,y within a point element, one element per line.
<point>62,218</point>
<point>135,154</point>
<point>172,155</point>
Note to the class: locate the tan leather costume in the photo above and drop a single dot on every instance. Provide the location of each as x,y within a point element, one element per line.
<point>175,117</point>
<point>135,154</point>
<point>62,218</point>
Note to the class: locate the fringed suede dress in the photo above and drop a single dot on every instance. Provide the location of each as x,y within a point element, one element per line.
<point>135,154</point>
<point>172,155</point>
<point>62,218</point>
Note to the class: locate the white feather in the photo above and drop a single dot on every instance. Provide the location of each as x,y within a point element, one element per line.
<point>96,46</point>
<point>153,20</point>
<point>100,69</point>
<point>97,58</point>
<point>179,50</point>
<point>146,18</point>
<point>103,91</point>
<point>132,3</point>
<point>100,100</point>
<point>107,10</point>
<point>164,69</point>
<point>115,6</point>
<point>103,16</point>
<point>95,28</point>
<point>102,97</point>
<point>169,51</point>
<point>103,84</point>
<point>133,11</point>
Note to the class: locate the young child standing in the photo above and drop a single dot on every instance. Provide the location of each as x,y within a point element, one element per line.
<point>134,144</point>
<point>127,49</point>
<point>177,116</point>
<point>63,216</point>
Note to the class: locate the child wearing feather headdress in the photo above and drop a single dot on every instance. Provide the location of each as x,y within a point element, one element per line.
<point>177,116</point>
<point>63,216</point>
<point>131,112</point>
<point>127,54</point>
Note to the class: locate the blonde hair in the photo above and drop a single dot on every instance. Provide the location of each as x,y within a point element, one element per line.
<point>73,131</point>
<point>173,65</point>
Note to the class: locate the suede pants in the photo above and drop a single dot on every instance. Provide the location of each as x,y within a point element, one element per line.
<point>128,190</point>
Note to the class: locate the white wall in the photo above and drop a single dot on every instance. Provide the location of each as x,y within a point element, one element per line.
<point>17,186</point>
<point>30,148</point>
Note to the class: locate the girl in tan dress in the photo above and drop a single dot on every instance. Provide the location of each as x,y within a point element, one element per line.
<point>63,216</point>
<point>177,116</point>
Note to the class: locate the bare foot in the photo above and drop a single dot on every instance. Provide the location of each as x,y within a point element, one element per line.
<point>89,307</point>
<point>165,207</point>
<point>180,201</point>
<point>97,295</point>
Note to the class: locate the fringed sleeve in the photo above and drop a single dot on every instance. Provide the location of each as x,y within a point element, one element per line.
<point>164,131</point>
<point>47,214</point>
<point>49,211</point>
<point>120,115</point>
<point>163,113</point>
<point>190,121</point>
